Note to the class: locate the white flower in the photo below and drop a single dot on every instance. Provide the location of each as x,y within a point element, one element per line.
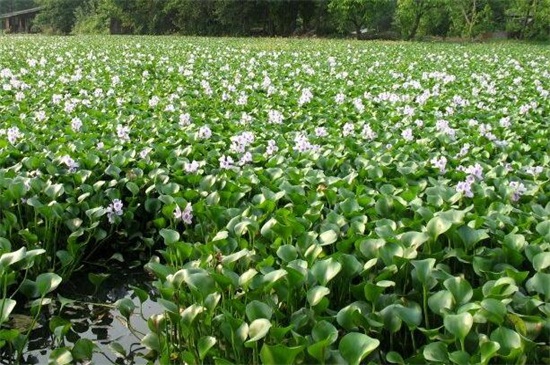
<point>226,162</point>
<point>204,132</point>
<point>191,167</point>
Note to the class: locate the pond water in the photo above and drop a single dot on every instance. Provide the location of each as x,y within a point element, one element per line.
<point>93,317</point>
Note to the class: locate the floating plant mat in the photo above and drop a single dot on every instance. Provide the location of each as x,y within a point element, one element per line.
<point>84,311</point>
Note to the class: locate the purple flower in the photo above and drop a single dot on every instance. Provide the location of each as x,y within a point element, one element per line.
<point>114,209</point>
<point>407,134</point>
<point>186,215</point>
<point>518,189</point>
<point>465,187</point>
<point>440,163</point>
<point>226,162</point>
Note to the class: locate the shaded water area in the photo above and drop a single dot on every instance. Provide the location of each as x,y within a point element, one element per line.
<point>93,316</point>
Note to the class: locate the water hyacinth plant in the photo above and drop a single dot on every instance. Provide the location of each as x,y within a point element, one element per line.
<point>293,201</point>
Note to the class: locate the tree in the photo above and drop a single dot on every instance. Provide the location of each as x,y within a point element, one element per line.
<point>410,13</point>
<point>359,13</point>
<point>58,15</point>
<point>470,17</point>
<point>529,19</point>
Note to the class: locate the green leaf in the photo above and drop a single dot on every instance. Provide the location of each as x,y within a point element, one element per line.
<point>204,345</point>
<point>287,253</point>
<point>97,279</point>
<point>6,307</point>
<point>460,288</point>
<point>126,307</point>
<point>60,356</point>
<point>258,329</point>
<point>410,314</point>
<point>354,347</point>
<point>47,282</point>
<point>151,341</point>
<point>323,330</point>
<point>413,239</point>
<point>458,325</point>
<point>541,261</point>
<point>460,357</point>
<point>488,350</point>
<point>471,236</point>
<point>83,349</point>
<point>509,340</point>
<point>325,270</point>
<point>394,358</point>
<point>256,309</point>
<point>170,236</point>
<point>132,187</point>
<point>437,226</point>
<point>319,350</point>
<point>279,354</point>
<point>436,352</point>
<point>494,310</point>
<point>423,269</point>
<point>328,237</point>
<point>190,313</point>
<point>315,294</point>
<point>543,228</point>
<point>540,283</point>
<point>10,258</point>
<point>118,349</point>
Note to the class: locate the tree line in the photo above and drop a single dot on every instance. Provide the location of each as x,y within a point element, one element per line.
<point>389,19</point>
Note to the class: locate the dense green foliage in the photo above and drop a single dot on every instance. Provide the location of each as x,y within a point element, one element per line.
<point>294,201</point>
<point>407,19</point>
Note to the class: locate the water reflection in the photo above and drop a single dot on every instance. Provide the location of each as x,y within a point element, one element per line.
<point>93,317</point>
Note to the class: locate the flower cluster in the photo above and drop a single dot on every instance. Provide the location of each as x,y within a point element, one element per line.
<point>275,117</point>
<point>302,144</point>
<point>191,167</point>
<point>440,163</point>
<point>185,215</point>
<point>114,209</point>
<point>123,133</point>
<point>241,141</point>
<point>14,135</point>
<point>271,147</point>
<point>305,97</point>
<point>204,132</point>
<point>226,162</point>
<point>518,189</point>
<point>71,164</point>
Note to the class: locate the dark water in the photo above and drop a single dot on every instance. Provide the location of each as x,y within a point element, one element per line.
<point>93,317</point>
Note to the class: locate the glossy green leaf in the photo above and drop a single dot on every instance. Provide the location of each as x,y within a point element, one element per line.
<point>459,325</point>
<point>60,356</point>
<point>279,354</point>
<point>170,236</point>
<point>204,345</point>
<point>437,226</point>
<point>256,309</point>
<point>315,294</point>
<point>325,270</point>
<point>354,347</point>
<point>83,349</point>
<point>258,329</point>
<point>6,307</point>
<point>436,352</point>
<point>47,282</point>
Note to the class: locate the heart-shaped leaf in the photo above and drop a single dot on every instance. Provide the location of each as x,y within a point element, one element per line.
<point>258,329</point>
<point>326,270</point>
<point>458,325</point>
<point>354,347</point>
